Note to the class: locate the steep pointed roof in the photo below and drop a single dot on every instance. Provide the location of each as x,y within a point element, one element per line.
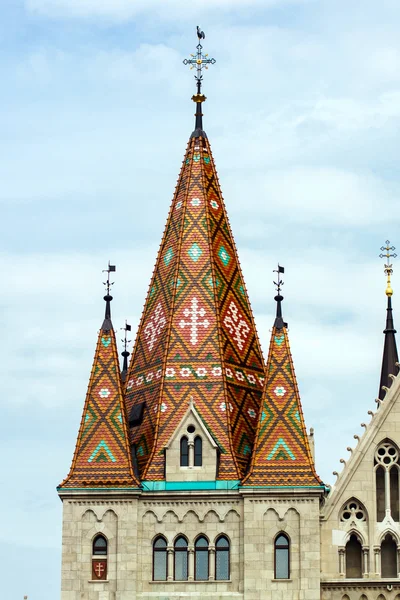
<point>282,455</point>
<point>390,356</point>
<point>102,452</point>
<point>197,337</point>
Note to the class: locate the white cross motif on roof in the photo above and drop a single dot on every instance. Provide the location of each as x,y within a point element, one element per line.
<point>194,323</point>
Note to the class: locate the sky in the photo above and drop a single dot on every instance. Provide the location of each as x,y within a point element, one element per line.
<point>303,117</point>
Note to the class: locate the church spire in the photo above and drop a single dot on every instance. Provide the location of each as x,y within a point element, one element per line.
<point>281,455</point>
<point>102,453</point>
<point>199,61</point>
<point>197,340</point>
<point>390,356</point>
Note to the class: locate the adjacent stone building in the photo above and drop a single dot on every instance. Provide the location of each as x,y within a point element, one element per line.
<point>193,474</point>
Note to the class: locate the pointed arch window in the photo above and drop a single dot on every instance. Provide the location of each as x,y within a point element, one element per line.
<point>353,558</point>
<point>222,559</point>
<point>160,562</point>
<point>99,557</point>
<point>387,481</point>
<point>184,452</point>
<point>389,557</point>
<point>198,451</point>
<point>282,556</point>
<point>181,559</point>
<point>201,559</point>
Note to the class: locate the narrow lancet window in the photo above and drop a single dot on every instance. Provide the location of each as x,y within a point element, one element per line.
<point>222,559</point>
<point>184,452</point>
<point>99,558</point>
<point>282,557</point>
<point>201,559</point>
<point>353,558</point>
<point>181,559</point>
<point>389,557</point>
<point>160,563</point>
<point>198,451</point>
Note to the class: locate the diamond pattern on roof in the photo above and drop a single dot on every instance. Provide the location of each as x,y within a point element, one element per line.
<point>208,349</point>
<point>102,453</point>
<point>282,454</point>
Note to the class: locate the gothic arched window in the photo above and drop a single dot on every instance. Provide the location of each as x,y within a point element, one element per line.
<point>222,558</point>
<point>184,452</point>
<point>99,557</point>
<point>160,562</point>
<point>198,451</point>
<point>353,558</point>
<point>389,557</point>
<point>201,559</point>
<point>282,556</point>
<point>387,481</point>
<point>181,559</point>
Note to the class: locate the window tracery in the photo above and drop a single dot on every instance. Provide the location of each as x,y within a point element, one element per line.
<point>386,462</point>
<point>353,511</point>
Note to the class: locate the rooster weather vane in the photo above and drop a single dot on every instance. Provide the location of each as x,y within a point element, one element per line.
<point>199,61</point>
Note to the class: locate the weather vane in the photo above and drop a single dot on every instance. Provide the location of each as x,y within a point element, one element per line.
<point>280,270</point>
<point>200,61</point>
<point>388,267</point>
<point>125,341</point>
<point>108,283</point>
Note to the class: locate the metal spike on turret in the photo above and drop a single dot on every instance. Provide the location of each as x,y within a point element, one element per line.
<point>390,356</point>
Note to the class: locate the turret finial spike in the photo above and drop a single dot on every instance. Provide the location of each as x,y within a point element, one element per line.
<point>279,323</point>
<point>199,61</point>
<point>390,356</point>
<point>125,352</point>
<point>107,318</point>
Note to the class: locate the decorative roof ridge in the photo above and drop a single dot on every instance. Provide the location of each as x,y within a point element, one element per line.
<point>357,453</point>
<point>219,325</point>
<point>171,311</point>
<point>87,398</point>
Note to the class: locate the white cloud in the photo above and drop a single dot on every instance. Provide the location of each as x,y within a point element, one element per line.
<point>128,9</point>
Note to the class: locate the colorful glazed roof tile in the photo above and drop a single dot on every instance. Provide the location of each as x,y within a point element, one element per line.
<point>197,338</point>
<point>102,453</point>
<point>282,454</point>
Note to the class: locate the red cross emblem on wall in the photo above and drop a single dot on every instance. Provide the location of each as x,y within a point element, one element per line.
<point>99,569</point>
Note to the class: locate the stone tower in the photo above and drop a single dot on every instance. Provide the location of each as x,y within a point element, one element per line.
<point>195,478</point>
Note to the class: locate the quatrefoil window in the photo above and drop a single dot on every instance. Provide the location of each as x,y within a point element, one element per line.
<point>353,510</point>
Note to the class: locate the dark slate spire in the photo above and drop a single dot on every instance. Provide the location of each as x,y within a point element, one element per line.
<point>200,61</point>
<point>390,356</point>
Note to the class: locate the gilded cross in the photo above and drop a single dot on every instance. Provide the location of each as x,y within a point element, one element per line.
<point>388,267</point>
<point>199,60</point>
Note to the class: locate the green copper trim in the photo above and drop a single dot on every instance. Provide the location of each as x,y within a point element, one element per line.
<point>175,486</point>
<point>98,489</point>
<point>273,487</point>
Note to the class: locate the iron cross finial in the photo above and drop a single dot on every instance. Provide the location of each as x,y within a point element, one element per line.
<point>108,283</point>
<point>199,61</point>
<point>388,267</point>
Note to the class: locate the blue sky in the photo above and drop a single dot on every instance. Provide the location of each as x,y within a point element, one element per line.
<point>303,116</point>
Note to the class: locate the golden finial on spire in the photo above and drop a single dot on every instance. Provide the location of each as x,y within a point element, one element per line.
<point>388,267</point>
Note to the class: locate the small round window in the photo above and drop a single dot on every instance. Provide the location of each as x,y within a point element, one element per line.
<point>191,429</point>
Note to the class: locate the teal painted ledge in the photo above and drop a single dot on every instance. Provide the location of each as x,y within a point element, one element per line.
<point>176,486</point>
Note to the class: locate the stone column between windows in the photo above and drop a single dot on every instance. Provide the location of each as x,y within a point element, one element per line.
<point>365,551</point>
<point>387,492</point>
<point>377,557</point>
<point>170,559</point>
<point>211,563</point>
<point>191,453</point>
<point>190,563</point>
<point>342,566</point>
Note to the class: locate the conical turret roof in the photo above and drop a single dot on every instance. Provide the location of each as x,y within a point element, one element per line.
<point>102,453</point>
<point>390,356</point>
<point>282,455</point>
<point>197,338</point>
